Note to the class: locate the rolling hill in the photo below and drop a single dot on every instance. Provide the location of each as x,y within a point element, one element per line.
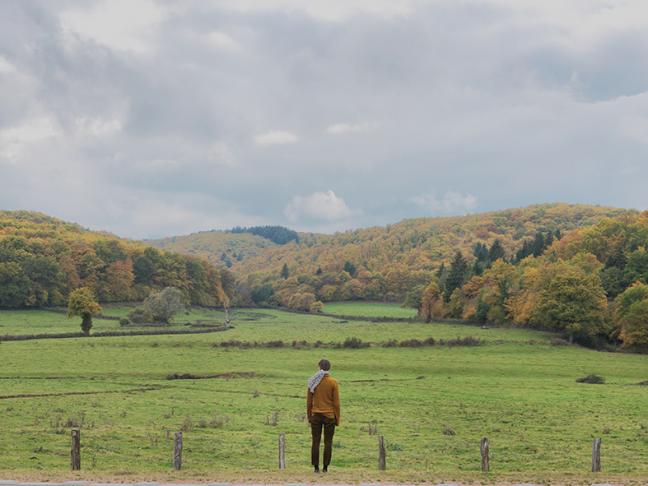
<point>42,259</point>
<point>378,263</point>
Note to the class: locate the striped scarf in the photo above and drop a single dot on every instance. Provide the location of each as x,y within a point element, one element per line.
<point>314,380</point>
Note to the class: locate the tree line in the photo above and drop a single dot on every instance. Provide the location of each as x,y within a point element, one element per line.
<point>592,285</point>
<point>43,260</point>
<point>386,263</point>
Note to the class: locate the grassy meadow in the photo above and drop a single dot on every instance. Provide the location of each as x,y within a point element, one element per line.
<point>374,309</point>
<point>432,404</point>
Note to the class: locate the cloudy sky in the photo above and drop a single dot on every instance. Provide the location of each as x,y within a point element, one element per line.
<point>151,117</point>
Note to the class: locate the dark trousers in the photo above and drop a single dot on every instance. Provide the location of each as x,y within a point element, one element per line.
<point>319,421</point>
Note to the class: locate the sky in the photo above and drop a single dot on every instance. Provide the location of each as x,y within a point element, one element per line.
<point>151,118</point>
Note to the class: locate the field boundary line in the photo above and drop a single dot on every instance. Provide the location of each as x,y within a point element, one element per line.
<point>100,334</point>
<point>66,394</point>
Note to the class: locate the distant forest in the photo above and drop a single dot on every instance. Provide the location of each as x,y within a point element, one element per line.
<point>580,270</point>
<point>277,234</point>
<point>43,259</point>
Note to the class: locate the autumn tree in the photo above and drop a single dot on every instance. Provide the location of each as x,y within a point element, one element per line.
<point>571,300</point>
<point>631,315</point>
<point>82,302</point>
<point>497,288</point>
<point>432,304</point>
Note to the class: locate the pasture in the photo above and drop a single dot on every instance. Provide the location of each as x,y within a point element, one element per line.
<point>432,403</point>
<point>369,309</point>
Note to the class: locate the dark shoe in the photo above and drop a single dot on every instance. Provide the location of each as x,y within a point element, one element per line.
<point>317,469</point>
<point>325,469</point>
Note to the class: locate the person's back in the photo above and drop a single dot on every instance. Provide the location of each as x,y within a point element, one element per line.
<point>323,409</point>
<point>326,398</point>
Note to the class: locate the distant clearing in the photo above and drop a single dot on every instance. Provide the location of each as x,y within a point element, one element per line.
<point>369,309</point>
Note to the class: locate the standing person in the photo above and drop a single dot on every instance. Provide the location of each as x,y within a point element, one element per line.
<point>323,409</point>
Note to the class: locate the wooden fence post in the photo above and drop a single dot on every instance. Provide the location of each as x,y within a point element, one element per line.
<point>382,455</point>
<point>485,462</point>
<point>282,451</point>
<point>177,451</point>
<point>596,455</point>
<point>75,452</point>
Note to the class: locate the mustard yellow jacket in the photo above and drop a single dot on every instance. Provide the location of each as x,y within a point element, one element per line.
<point>325,400</point>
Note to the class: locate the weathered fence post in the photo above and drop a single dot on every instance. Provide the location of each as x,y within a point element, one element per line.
<point>282,451</point>
<point>382,455</point>
<point>485,462</point>
<point>596,455</point>
<point>75,452</point>
<point>177,451</point>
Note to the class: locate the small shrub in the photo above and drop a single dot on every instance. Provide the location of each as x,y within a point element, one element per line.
<point>124,321</point>
<point>187,425</point>
<point>556,341</point>
<point>354,343</point>
<point>591,379</point>
<point>411,343</point>
<point>139,315</point>
<point>274,344</point>
<point>216,422</point>
<point>272,419</point>
<point>447,430</point>
<point>464,341</point>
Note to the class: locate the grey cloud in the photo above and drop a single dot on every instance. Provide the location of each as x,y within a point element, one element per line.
<point>476,99</point>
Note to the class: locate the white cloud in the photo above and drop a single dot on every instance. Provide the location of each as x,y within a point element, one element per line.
<point>118,24</point>
<point>98,126</point>
<point>220,153</point>
<point>275,137</point>
<point>6,67</point>
<point>341,128</point>
<point>221,40</point>
<point>324,206</point>
<point>451,203</point>
<point>326,10</point>
<point>15,140</point>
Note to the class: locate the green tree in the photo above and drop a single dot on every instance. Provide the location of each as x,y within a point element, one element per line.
<point>82,302</point>
<point>165,304</point>
<point>285,273</point>
<point>631,315</point>
<point>350,268</point>
<point>538,244</point>
<point>262,293</point>
<point>637,266</point>
<point>14,285</point>
<point>496,251</point>
<point>571,300</point>
<point>456,275</point>
<point>634,324</point>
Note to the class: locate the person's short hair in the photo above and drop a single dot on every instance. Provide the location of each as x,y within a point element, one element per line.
<point>325,364</point>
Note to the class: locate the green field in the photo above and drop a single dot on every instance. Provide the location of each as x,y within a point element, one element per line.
<point>432,404</point>
<point>369,309</point>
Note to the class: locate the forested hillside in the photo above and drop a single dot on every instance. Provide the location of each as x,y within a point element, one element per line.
<point>218,247</point>
<point>386,263</point>
<point>42,259</point>
<point>591,284</point>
